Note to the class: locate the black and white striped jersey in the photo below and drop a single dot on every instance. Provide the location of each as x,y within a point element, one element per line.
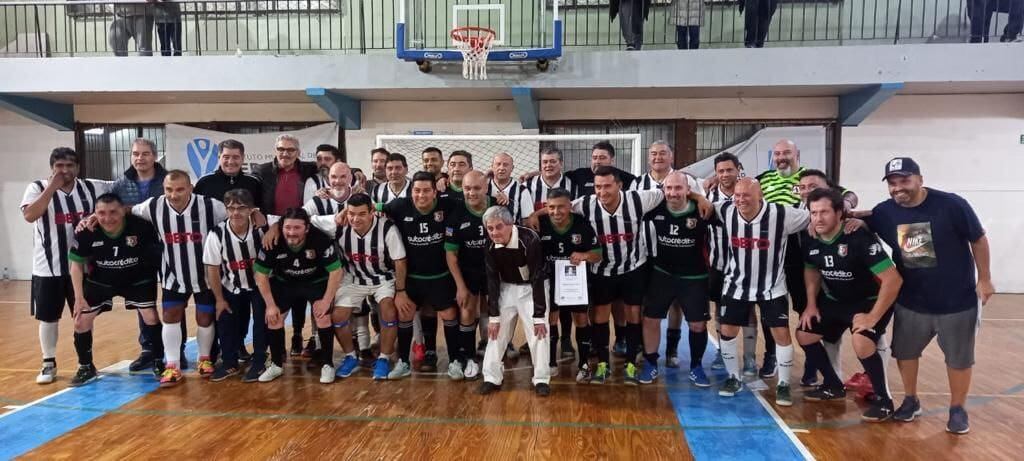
<point>318,206</point>
<point>235,254</point>
<point>368,258</point>
<point>55,230</point>
<point>313,184</point>
<point>539,189</point>
<point>182,268</point>
<point>383,193</point>
<point>619,231</point>
<point>647,182</point>
<point>519,201</point>
<point>718,244</point>
<point>757,249</point>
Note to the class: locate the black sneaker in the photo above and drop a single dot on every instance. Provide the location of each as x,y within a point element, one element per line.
<point>878,412</point>
<point>85,374</point>
<point>253,375</point>
<point>310,350</point>
<point>824,394</point>
<point>768,368</point>
<point>567,349</point>
<point>908,410</point>
<point>296,348</point>
<point>158,367</point>
<point>958,421</point>
<point>144,361</point>
<point>222,372</point>
<point>543,389</point>
<point>366,359</point>
<point>429,364</point>
<point>244,355</point>
<point>487,388</point>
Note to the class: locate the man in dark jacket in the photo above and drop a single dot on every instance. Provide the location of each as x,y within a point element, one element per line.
<point>229,174</point>
<point>632,14</point>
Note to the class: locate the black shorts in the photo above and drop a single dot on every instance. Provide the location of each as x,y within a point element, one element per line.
<point>100,297</point>
<point>437,294</point>
<point>50,295</point>
<point>664,289</point>
<point>476,280</point>
<point>628,288</point>
<point>295,295</point>
<point>774,312</point>
<point>716,279</point>
<point>837,318</point>
<point>549,289</point>
<point>204,300</point>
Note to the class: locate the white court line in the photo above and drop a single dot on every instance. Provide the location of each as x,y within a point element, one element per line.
<point>111,369</point>
<point>785,428</point>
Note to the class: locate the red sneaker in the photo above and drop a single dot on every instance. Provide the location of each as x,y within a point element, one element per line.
<point>419,351</point>
<point>857,382</point>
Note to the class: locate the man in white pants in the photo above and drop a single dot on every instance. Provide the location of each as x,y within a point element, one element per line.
<point>515,280</point>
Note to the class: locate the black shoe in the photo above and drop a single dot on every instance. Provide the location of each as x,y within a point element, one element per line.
<point>310,349</point>
<point>524,349</point>
<point>158,367</point>
<point>222,372</point>
<point>768,368</point>
<point>824,394</point>
<point>879,411</point>
<point>567,349</point>
<point>244,355</point>
<point>85,374</point>
<point>366,359</point>
<point>253,375</point>
<point>296,346</point>
<point>144,361</point>
<point>429,364</point>
<point>487,388</point>
<point>543,389</point>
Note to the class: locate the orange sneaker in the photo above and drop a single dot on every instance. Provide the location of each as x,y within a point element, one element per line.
<point>171,377</point>
<point>205,367</point>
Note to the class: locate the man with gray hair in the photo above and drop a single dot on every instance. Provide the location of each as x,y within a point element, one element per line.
<point>514,262</point>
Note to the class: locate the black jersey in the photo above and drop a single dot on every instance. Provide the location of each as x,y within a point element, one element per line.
<point>452,192</point>
<point>422,233</point>
<point>848,264</point>
<point>578,237</point>
<point>124,259</point>
<point>309,263</point>
<point>677,241</point>
<point>465,234</point>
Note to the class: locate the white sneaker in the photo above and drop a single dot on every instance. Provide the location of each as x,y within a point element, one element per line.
<point>271,373</point>
<point>401,370</point>
<point>672,362</point>
<point>472,370</point>
<point>326,374</point>
<point>455,371</point>
<point>48,374</point>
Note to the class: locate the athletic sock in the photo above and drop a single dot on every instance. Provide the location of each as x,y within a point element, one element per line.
<point>362,332</point>
<point>275,338</point>
<point>732,362</point>
<point>784,356</point>
<point>769,340</point>
<point>429,333</point>
<point>672,337</point>
<point>553,349</point>
<point>834,359</point>
<point>204,337</point>
<point>48,339</point>
<point>583,335</point>
<point>417,327</point>
<point>634,341</point>
<point>876,372</point>
<point>326,352</point>
<point>698,344</point>
<point>817,358</point>
<point>451,341</point>
<point>565,318</point>
<point>885,353</point>
<point>749,342</point>
<point>600,341</point>
<point>620,333</point>
<point>405,334</point>
<point>83,346</point>
<point>172,341</point>
<point>467,338</point>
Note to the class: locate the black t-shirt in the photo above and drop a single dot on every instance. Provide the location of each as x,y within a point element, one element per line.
<point>422,233</point>
<point>452,193</point>
<point>583,180</point>
<point>848,264</point>
<point>125,259</point>
<point>677,241</point>
<point>465,234</point>
<point>309,263</point>
<point>579,237</point>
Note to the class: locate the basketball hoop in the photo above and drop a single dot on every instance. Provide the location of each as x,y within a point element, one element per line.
<point>474,43</point>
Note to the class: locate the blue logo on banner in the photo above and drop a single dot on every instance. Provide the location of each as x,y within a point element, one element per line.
<point>202,156</point>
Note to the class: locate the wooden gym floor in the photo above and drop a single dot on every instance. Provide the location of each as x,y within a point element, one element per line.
<point>125,415</point>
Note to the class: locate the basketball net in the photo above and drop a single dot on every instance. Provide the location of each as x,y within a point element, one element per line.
<point>474,43</point>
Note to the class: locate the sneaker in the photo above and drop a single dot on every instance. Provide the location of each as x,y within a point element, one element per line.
<point>511,353</point>
<point>472,370</point>
<point>481,347</point>
<point>271,373</point>
<point>908,410</point>
<point>958,423</point>
<point>381,368</point>
<point>429,362</point>
<point>348,366</point>
<point>553,370</point>
<point>567,349</point>
<point>296,348</point>
<point>823,394</point>
<point>809,381</point>
<point>542,389</point>
<point>648,374</point>
<point>310,349</point>
<point>222,373</point>
<point>488,388</point>
<point>524,349</point>
<point>672,362</point>
<point>366,358</point>
<point>253,374</point>
<point>144,361</point>
<point>730,387</point>
<point>719,363</point>
<point>84,374</point>
<point>749,367</point>
<point>878,412</point>
<point>47,374</point>
<point>158,368</point>
<point>419,352</point>
<point>171,377</point>
<point>858,381</point>
<point>327,374</point>
<point>205,368</point>
<point>244,355</point>
<point>768,368</point>
<point>455,371</point>
<point>401,370</point>
<point>699,378</point>
<point>601,374</point>
<point>783,396</point>
<point>584,375</point>
<point>629,375</point>
<point>620,347</point>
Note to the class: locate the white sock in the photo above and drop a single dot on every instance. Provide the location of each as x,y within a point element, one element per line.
<point>885,352</point>
<point>749,342</point>
<point>205,339</point>
<point>784,355</point>
<point>417,329</point>
<point>48,339</point>
<point>832,349</point>
<point>732,362</point>
<point>172,343</point>
<point>363,332</point>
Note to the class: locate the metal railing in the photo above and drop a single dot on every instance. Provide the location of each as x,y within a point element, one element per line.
<point>84,28</point>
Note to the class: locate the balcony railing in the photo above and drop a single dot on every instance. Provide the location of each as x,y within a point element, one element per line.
<point>86,28</point>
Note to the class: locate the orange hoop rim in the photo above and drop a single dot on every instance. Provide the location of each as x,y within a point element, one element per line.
<point>462,34</point>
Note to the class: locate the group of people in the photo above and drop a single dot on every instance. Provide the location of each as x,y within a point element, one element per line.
<point>477,249</point>
<point>136,21</point>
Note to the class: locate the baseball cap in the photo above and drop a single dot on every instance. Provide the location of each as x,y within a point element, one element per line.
<point>903,166</point>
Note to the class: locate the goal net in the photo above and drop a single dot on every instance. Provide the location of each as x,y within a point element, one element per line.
<point>525,150</point>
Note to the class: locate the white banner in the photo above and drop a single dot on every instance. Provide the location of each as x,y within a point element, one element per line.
<point>756,153</point>
<point>195,150</point>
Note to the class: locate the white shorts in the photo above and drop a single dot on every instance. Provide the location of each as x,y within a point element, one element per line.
<point>351,294</point>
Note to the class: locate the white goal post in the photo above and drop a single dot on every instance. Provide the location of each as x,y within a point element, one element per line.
<point>524,149</point>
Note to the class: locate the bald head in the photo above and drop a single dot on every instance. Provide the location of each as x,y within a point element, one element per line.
<point>502,165</point>
<point>340,176</point>
<point>748,197</point>
<point>786,157</point>
<point>474,189</point>
<point>676,188</point>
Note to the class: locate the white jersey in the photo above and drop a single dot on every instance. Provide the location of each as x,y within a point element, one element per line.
<point>647,182</point>
<point>313,184</point>
<point>235,254</point>
<point>519,201</point>
<point>384,194</point>
<point>757,249</point>
<point>368,258</point>
<point>55,230</point>
<point>182,268</point>
<point>539,189</point>
<point>619,231</point>
<point>718,244</point>
<point>323,207</point>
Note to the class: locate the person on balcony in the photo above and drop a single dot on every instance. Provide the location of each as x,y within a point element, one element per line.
<point>980,13</point>
<point>756,21</point>
<point>132,21</point>
<point>168,26</point>
<point>689,16</point>
<point>632,14</point>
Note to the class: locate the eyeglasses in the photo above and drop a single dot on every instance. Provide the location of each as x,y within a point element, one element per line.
<point>289,150</point>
